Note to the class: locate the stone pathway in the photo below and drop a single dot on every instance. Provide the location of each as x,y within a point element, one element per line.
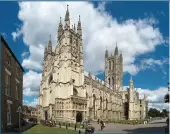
<point>154,127</point>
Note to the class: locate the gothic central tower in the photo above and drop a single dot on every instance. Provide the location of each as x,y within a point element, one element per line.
<point>114,69</point>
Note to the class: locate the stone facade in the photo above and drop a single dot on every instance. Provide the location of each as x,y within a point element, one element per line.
<point>68,93</point>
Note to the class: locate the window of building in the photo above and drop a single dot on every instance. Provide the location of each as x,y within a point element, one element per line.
<point>75,93</point>
<point>17,89</point>
<point>50,79</point>
<point>109,81</point>
<point>109,65</point>
<point>112,81</point>
<point>86,95</point>
<point>9,114</point>
<point>8,59</point>
<point>100,102</point>
<point>17,70</point>
<point>8,84</point>
<point>73,80</point>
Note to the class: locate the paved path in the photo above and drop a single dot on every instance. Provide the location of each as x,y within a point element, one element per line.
<point>157,126</point>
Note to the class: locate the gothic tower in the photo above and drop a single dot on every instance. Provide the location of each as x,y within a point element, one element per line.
<point>114,69</point>
<point>69,58</point>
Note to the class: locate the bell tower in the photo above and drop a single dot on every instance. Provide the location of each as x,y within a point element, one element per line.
<point>114,69</point>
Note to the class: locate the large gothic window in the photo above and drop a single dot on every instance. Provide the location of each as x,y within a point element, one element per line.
<point>50,79</point>
<point>109,65</point>
<point>75,93</point>
<point>106,104</point>
<point>109,81</point>
<point>94,99</point>
<point>100,102</point>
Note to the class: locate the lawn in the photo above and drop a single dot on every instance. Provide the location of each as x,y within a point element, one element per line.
<point>44,129</point>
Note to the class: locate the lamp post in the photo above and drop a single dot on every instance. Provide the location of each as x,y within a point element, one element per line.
<point>19,111</point>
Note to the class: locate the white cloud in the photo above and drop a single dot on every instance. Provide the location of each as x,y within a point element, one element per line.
<point>31,83</point>
<point>16,34</point>
<point>151,63</point>
<point>30,92</point>
<point>24,54</point>
<point>154,96</point>
<point>99,30</point>
<point>32,103</point>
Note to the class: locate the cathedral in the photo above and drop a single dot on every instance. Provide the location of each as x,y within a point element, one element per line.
<point>67,93</point>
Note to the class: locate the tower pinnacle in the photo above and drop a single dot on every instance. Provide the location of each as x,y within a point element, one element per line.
<point>67,19</point>
<point>50,45</point>
<point>60,29</point>
<point>106,53</point>
<point>79,30</point>
<point>116,50</point>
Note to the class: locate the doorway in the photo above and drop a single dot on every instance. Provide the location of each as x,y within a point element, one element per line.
<point>46,115</point>
<point>79,116</point>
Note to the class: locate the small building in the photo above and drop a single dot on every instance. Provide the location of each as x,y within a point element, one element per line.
<point>30,112</point>
<point>11,82</point>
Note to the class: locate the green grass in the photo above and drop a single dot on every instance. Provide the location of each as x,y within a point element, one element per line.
<point>44,129</point>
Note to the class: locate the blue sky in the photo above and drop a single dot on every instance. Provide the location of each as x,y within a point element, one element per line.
<point>154,74</point>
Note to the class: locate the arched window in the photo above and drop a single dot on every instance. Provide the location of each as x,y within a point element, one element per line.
<point>94,100</point>
<point>109,65</point>
<point>106,103</point>
<point>86,95</point>
<point>109,81</point>
<point>126,97</point>
<point>100,102</point>
<point>112,81</point>
<point>16,95</point>
<point>50,79</point>
<point>75,93</point>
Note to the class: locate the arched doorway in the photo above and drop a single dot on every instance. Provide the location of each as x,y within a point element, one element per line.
<point>79,117</point>
<point>46,115</point>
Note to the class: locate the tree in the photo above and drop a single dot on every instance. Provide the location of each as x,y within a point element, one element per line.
<point>153,112</point>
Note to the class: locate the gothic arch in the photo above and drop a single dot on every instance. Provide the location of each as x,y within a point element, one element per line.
<point>87,95</point>
<point>126,97</point>
<point>112,81</point>
<point>109,81</point>
<point>109,65</point>
<point>50,79</point>
<point>75,92</point>
<point>100,102</point>
<point>106,104</point>
<point>94,104</point>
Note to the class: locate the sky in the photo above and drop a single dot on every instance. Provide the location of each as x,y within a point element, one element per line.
<point>141,30</point>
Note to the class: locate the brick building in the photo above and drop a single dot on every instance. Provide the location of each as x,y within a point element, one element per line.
<point>11,82</point>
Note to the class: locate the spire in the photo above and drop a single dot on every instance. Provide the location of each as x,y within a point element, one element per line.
<point>106,53</point>
<point>131,82</point>
<point>67,14</point>
<point>60,29</point>
<point>79,30</point>
<point>67,19</point>
<point>116,50</point>
<point>50,46</point>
